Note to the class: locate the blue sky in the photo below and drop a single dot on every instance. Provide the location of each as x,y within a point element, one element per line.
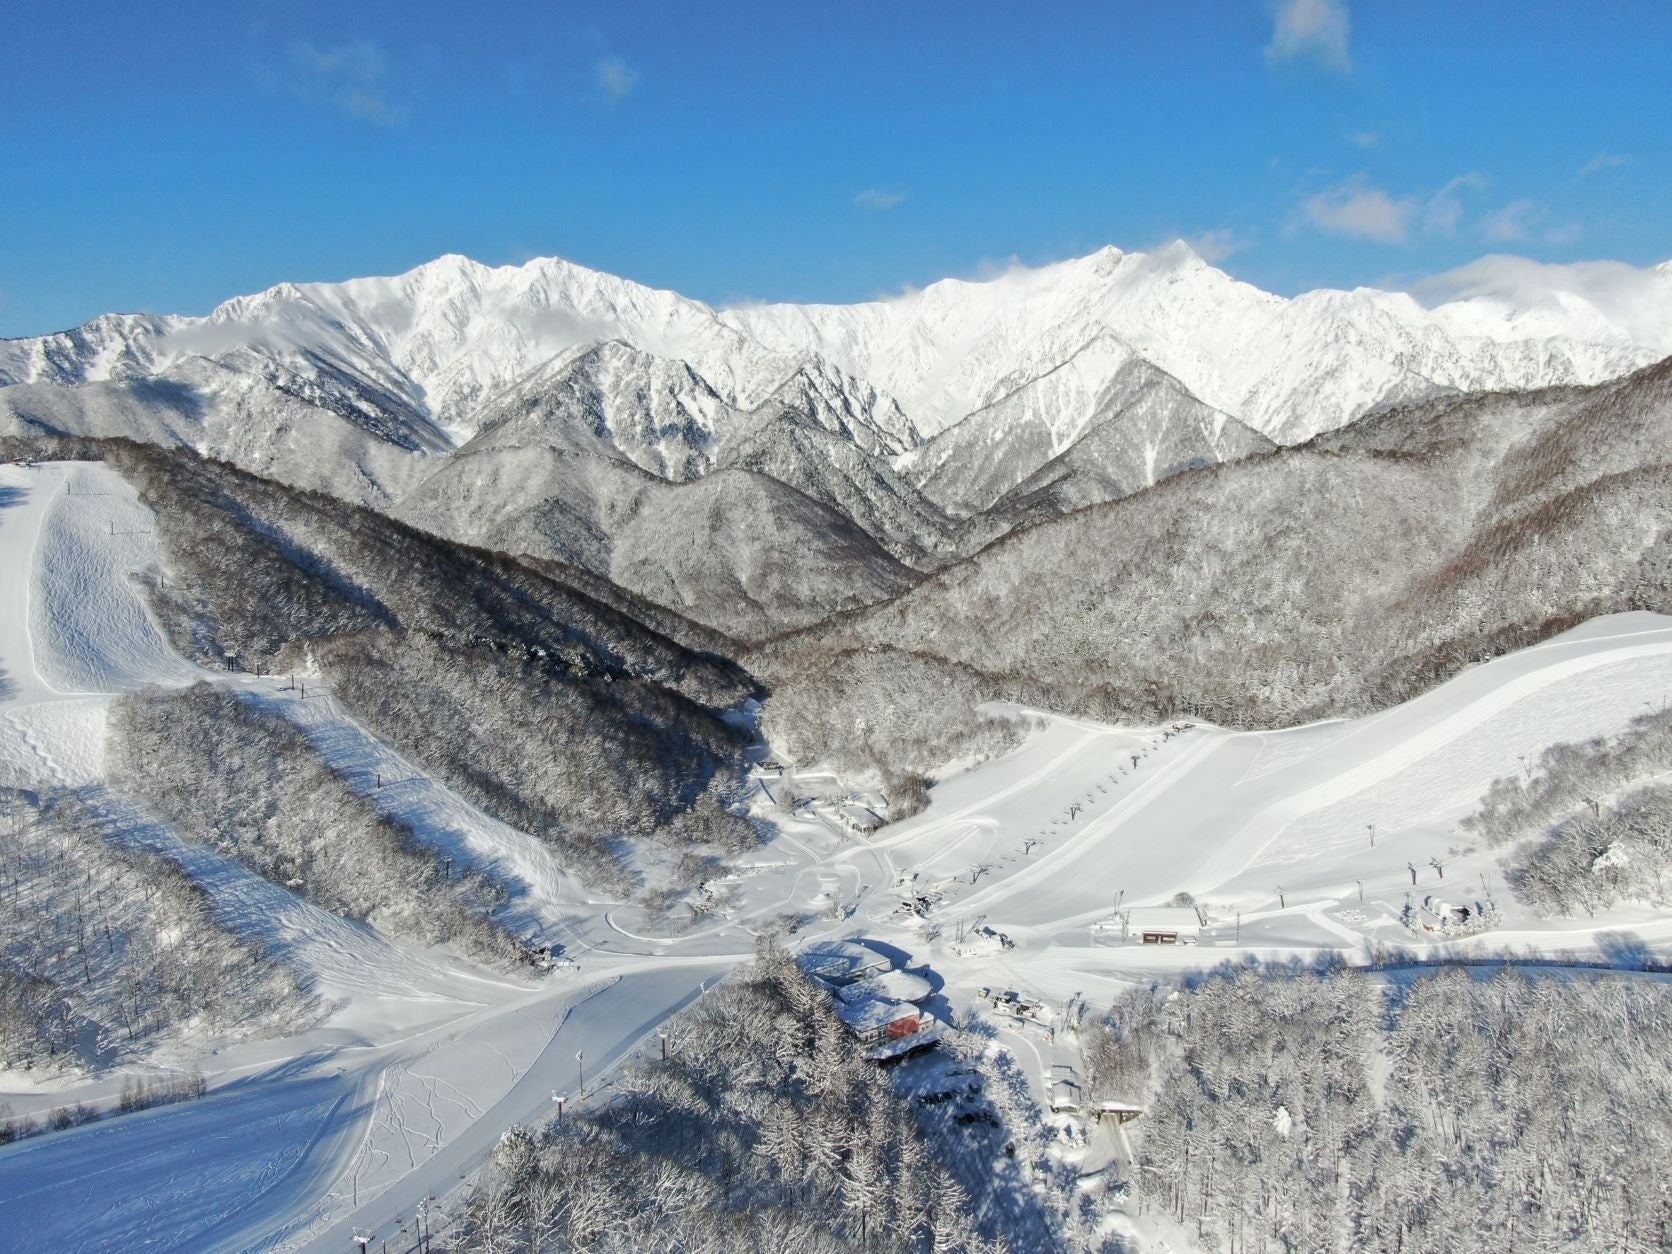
<point>166,157</point>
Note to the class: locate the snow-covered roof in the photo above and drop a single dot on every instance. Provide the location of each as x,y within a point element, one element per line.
<point>1164,919</point>
<point>841,962</point>
<point>866,1014</point>
<point>893,985</point>
<point>861,816</point>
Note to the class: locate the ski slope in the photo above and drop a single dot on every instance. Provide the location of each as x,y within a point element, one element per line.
<point>74,629</point>
<point>1273,824</point>
<point>420,1061</point>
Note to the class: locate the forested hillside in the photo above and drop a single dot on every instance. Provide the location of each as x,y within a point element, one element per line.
<point>551,707</point>
<point>104,949</point>
<point>1589,824</point>
<point>1331,579</point>
<point>230,776</point>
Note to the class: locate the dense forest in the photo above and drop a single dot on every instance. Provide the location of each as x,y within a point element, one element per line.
<point>1490,1109</point>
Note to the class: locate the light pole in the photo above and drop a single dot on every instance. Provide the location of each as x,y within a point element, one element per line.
<point>580,1063</point>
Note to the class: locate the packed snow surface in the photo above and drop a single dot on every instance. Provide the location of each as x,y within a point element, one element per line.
<point>1295,843</point>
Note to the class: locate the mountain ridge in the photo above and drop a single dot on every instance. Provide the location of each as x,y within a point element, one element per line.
<point>565,414</point>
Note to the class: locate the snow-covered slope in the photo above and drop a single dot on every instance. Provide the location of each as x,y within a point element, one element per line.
<point>1105,414</point>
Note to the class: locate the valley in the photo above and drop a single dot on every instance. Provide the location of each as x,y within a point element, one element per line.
<point>1295,845</point>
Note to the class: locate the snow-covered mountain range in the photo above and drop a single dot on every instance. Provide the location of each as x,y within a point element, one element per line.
<point>551,409</point>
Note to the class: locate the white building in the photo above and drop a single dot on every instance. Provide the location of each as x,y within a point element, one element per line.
<point>1163,925</point>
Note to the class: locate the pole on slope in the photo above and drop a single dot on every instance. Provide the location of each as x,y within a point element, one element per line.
<point>1372,828</point>
<point>1281,903</point>
<point>580,1062</point>
<point>1360,884</point>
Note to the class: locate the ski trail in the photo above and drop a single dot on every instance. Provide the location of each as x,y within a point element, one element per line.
<point>337,956</point>
<point>403,791</point>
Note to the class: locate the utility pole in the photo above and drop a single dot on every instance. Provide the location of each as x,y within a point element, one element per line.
<point>1413,869</point>
<point>1360,884</point>
<point>580,1062</point>
<point>664,1037</point>
<point>1281,903</point>
<point>1372,828</point>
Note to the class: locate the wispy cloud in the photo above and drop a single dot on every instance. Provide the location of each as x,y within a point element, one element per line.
<point>1511,223</point>
<point>616,79</point>
<point>1212,246</point>
<point>879,199</point>
<point>1358,209</point>
<point>350,77</point>
<point>1365,139</point>
<point>1444,209</point>
<point>1316,30</point>
<point>1603,161</point>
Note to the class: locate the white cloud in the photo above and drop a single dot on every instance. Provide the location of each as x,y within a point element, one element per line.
<point>1631,298</point>
<point>1366,139</point>
<point>1212,246</point>
<point>349,77</point>
<point>1603,161</point>
<point>1314,29</point>
<point>879,199</point>
<point>1358,210</point>
<point>1513,222</point>
<point>616,79</point>
<point>1444,209</point>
